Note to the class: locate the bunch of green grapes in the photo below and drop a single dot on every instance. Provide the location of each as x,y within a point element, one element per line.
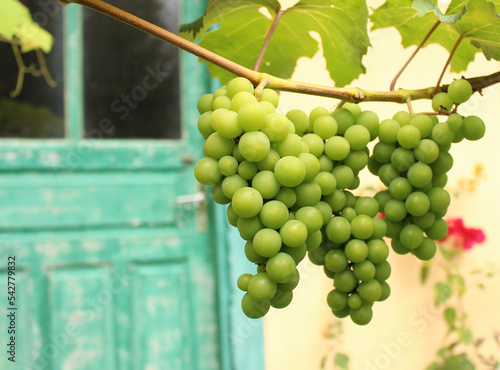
<point>412,160</point>
<point>287,181</point>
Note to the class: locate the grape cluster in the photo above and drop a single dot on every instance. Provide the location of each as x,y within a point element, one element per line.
<point>287,181</point>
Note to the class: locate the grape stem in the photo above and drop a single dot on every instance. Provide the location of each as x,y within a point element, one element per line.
<point>448,61</point>
<point>348,94</point>
<point>266,41</point>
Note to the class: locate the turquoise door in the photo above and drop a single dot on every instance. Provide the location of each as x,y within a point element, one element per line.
<point>111,258</point>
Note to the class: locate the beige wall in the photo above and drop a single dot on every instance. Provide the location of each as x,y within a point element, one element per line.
<point>406,329</point>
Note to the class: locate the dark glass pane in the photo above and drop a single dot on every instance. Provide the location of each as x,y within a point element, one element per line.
<point>38,110</point>
<point>132,78</point>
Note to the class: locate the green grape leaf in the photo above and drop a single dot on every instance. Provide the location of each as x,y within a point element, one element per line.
<point>465,335</point>
<point>450,315</point>
<point>17,24</point>
<point>477,24</point>
<point>341,361</point>
<point>244,24</point>
<point>444,291</point>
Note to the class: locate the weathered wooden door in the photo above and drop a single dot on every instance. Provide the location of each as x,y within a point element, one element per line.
<point>108,259</point>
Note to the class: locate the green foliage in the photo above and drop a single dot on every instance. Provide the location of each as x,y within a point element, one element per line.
<point>341,361</point>
<point>475,21</point>
<point>243,26</point>
<point>17,25</point>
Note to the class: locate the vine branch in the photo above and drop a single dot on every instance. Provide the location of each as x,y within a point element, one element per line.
<point>349,94</point>
<point>448,61</point>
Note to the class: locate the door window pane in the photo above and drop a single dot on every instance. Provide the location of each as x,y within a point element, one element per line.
<point>132,78</point>
<point>33,109</point>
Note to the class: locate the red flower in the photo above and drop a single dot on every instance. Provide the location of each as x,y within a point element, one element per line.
<point>463,236</point>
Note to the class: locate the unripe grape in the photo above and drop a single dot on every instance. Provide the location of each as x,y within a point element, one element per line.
<point>460,91</point>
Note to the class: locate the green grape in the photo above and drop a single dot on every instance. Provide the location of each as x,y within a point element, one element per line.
<point>419,175</point>
<point>281,299</point>
<point>364,271</point>
<point>271,96</point>
<point>236,154</point>
<point>388,131</point>
<point>336,200</point>
<point>455,121</point>
<point>335,260</point>
<point>204,126</point>
<point>357,136</point>
<point>423,123</point>
<point>293,233</point>
<point>363,315</point>
<point>382,271</point>
<point>398,247</point>
<point>311,164</point>
<point>336,299</point>
<point>299,119</point>
<point>325,126</point>
<point>232,183</point>
<point>442,134</point>
<point>370,121</point>
<point>252,255</point>
<point>268,163</point>
<point>205,103</point>
<point>261,287</point>
<point>442,103</point>
<point>281,268</point>
<point>337,148</point>
<point>356,160</point>
<point>269,106</point>
<point>248,226</point>
<point>207,171</point>
<point>342,313</point>
<point>426,250</point>
<point>218,195</point>
<point>219,146</point>
<point>386,291</point>
<point>345,281</point>
<point>276,127</point>
<point>417,204</point>
<point>317,256</point>
<point>439,180</point>
<point>266,184</point>
<point>400,188</point>
<point>395,210</point>
<point>382,151</point>
<point>387,173</point>
<point>439,199</point>
<point>425,221</point>
<point>221,102</point>
<point>411,236</point>
<point>252,116</point>
<point>247,169</point>
<point>274,214</point>
<point>290,171</point>
<point>221,91</point>
<point>327,182</point>
<point>297,253</point>
<point>460,91</point>
<point>254,146</point>
<point>252,308</point>
<point>215,117</point>
<point>311,217</point>
<point>427,151</point>
<point>315,144</point>
<point>393,228</point>
<point>314,240</point>
<point>382,197</point>
<point>243,281</point>
<point>232,217</point>
<point>350,199</point>
<point>402,159</point>
<point>473,128</point>
<point>344,176</point>
<point>291,145</point>
<point>378,251</point>
<point>366,206</point>
<point>354,301</point>
<point>325,210</point>
<point>438,230</point>
<point>374,165</point>
<point>315,113</point>
<point>338,230</point>
<point>442,164</point>
<point>403,118</point>
<point>241,98</point>
<point>355,183</point>
<point>380,228</point>
<point>371,290</point>
<point>356,250</point>
<point>227,165</point>
<point>308,194</point>
<point>348,213</point>
<point>247,202</point>
<point>344,118</point>
<point>291,283</point>
<point>267,242</point>
<point>287,197</point>
<point>409,136</point>
<point>238,84</point>
<point>354,108</point>
<point>362,227</point>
